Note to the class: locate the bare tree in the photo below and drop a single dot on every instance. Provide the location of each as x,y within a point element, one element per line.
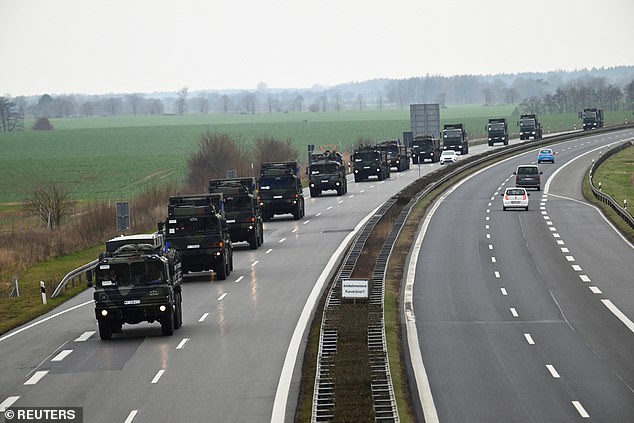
<point>360,102</point>
<point>11,116</point>
<point>157,107</point>
<point>217,153</point>
<point>51,204</point>
<point>225,101</point>
<point>134,100</point>
<point>181,103</point>
<point>298,103</point>
<point>269,149</point>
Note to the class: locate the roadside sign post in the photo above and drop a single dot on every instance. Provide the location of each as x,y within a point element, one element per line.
<point>123,216</point>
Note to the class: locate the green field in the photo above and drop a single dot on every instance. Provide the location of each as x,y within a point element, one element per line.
<point>114,158</point>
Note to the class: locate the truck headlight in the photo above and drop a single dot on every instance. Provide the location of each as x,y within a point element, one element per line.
<point>104,313</point>
<point>162,308</point>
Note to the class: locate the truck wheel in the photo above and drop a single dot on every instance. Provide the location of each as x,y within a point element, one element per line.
<point>167,325</point>
<point>253,241</point>
<point>297,213</point>
<point>115,327</point>
<point>105,331</point>
<point>356,178</point>
<point>221,271</point>
<point>178,313</point>
<point>261,236</point>
<point>313,192</point>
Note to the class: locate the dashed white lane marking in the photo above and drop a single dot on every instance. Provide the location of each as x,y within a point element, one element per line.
<point>488,210</point>
<point>493,260</point>
<point>203,317</point>
<point>351,195</point>
<point>220,298</point>
<point>546,217</point>
<point>329,207</point>
<point>487,218</point>
<point>282,240</point>
<point>371,186</point>
<point>565,250</point>
<point>549,222</point>
<point>36,377</point>
<point>362,190</point>
<point>8,403</point>
<point>268,251</point>
<point>340,201</point>
<point>182,343</point>
<point>490,246</point>
<point>255,263</point>
<point>488,236</point>
<point>294,230</point>
<point>318,214</point>
<point>582,411</point>
<point>306,222</point>
<point>618,313</point>
<point>544,212</point>
<point>62,355</point>
<point>529,339</point>
<point>497,275</point>
<point>560,242</point>
<point>552,371</point>
<point>576,268</point>
<point>503,290</point>
<point>84,336</point>
<point>552,229</point>
<point>570,258</point>
<point>595,290</point>
<point>486,226</point>
<point>514,312</point>
<point>131,416</point>
<point>158,376</point>
<point>584,278</point>
<point>556,235</point>
<point>239,279</point>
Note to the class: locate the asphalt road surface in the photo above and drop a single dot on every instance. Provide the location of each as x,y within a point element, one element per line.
<point>524,316</point>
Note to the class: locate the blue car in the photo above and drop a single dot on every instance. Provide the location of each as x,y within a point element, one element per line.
<point>546,155</point>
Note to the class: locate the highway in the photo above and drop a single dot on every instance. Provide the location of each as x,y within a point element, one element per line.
<point>238,355</point>
<point>524,316</point>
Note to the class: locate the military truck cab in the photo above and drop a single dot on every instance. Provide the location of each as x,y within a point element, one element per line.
<point>137,280</point>
<point>327,172</point>
<point>454,137</point>
<point>497,131</point>
<point>280,190</point>
<point>426,148</point>
<point>370,161</point>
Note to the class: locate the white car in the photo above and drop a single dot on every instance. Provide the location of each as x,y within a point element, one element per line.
<point>448,156</point>
<point>515,197</point>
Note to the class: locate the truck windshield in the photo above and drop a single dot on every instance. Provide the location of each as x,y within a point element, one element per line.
<point>267,184</point>
<point>528,123</point>
<point>192,225</point>
<point>365,156</point>
<point>453,133</point>
<point>114,274</point>
<point>147,272</point>
<point>324,169</point>
<point>235,203</point>
<point>496,127</point>
<point>589,115</point>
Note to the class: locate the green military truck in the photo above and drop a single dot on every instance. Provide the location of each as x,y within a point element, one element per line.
<point>327,172</point>
<point>197,228</point>
<point>137,280</point>
<point>280,190</point>
<point>397,154</point>
<point>242,209</point>
<point>370,161</point>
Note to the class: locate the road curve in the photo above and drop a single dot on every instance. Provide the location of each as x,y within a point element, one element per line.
<point>523,315</point>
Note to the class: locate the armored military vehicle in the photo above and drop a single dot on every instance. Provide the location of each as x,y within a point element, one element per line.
<point>327,172</point>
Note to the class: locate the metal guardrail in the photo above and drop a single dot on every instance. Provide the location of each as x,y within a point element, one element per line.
<point>72,274</point>
<point>603,197</point>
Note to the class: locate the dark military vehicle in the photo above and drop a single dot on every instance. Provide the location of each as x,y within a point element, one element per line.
<point>454,137</point>
<point>137,280</point>
<point>497,131</point>
<point>242,209</point>
<point>530,127</point>
<point>397,154</point>
<point>370,161</point>
<point>327,172</point>
<point>196,227</point>
<point>280,190</point>
<point>426,148</point>
<point>591,118</point>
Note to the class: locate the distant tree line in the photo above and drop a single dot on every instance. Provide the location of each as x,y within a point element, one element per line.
<point>553,92</point>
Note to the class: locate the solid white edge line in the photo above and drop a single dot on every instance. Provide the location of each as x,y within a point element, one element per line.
<point>62,355</point>
<point>8,403</point>
<point>131,416</point>
<point>44,320</point>
<point>283,387</point>
<point>158,376</point>
<point>618,313</point>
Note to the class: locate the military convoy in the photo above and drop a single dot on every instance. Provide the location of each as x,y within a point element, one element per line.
<point>242,209</point>
<point>326,171</point>
<point>196,226</point>
<point>370,161</point>
<point>280,190</point>
<point>137,279</point>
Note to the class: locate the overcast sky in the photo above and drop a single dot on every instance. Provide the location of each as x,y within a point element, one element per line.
<point>125,46</point>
